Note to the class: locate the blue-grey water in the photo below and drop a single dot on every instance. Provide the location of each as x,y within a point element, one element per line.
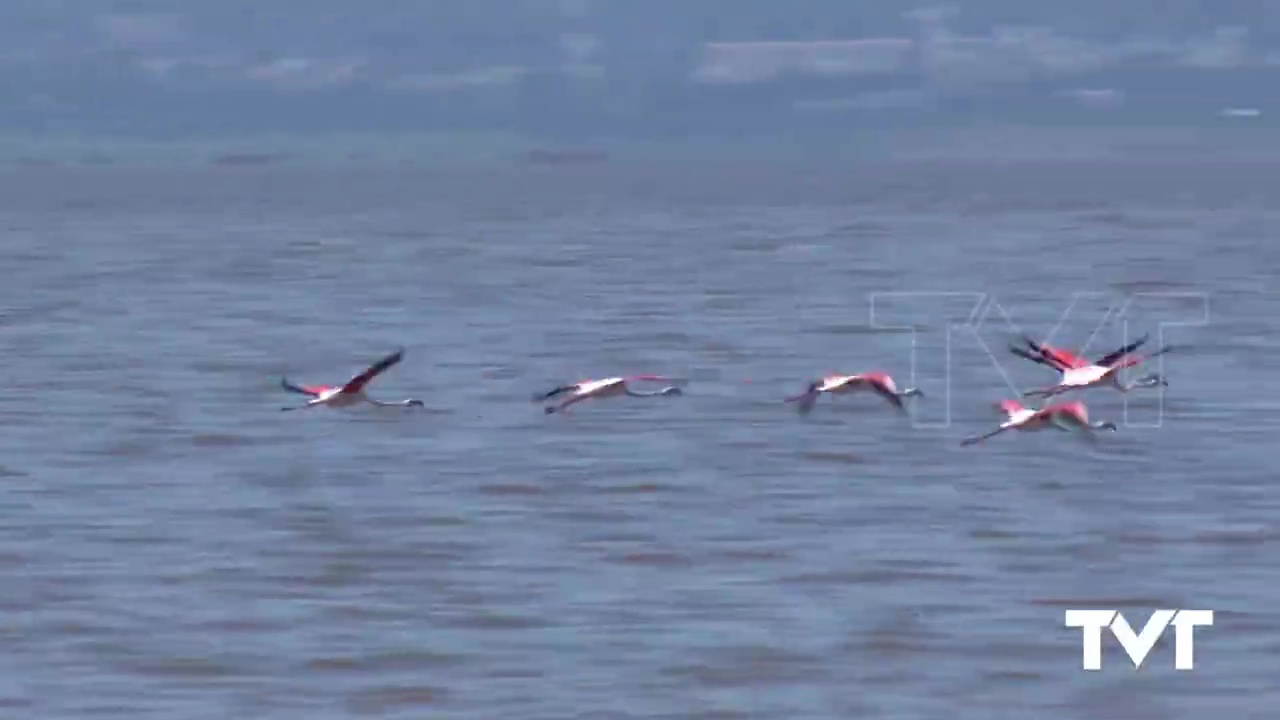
<point>173,546</point>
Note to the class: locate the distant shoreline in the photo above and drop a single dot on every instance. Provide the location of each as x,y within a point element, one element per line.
<point>1228,141</point>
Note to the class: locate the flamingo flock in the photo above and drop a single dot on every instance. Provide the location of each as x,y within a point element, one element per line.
<point>1075,373</point>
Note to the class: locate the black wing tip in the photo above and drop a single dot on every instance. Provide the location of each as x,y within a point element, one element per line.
<point>398,352</point>
<point>1120,353</point>
<point>1139,342</point>
<point>1040,358</point>
<point>1032,351</point>
<point>547,395</point>
<point>386,361</point>
<point>293,387</point>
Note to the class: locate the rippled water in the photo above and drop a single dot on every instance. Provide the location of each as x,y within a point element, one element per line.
<point>174,546</point>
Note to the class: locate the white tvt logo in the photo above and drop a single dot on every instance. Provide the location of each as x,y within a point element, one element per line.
<point>1139,645</point>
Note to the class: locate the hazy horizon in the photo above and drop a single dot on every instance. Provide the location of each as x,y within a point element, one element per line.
<point>578,69</point>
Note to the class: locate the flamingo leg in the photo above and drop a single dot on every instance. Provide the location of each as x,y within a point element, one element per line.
<point>387,404</point>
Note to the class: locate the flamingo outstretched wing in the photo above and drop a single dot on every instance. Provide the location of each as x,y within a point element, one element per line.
<point>554,392</point>
<point>1036,358</point>
<point>1010,407</point>
<point>1072,413</point>
<point>1056,358</point>
<point>357,383</point>
<point>1110,358</point>
<point>807,399</point>
<point>812,389</point>
<point>1128,361</point>
<point>881,387</point>
<point>311,391</point>
<point>987,435</point>
<point>1065,358</point>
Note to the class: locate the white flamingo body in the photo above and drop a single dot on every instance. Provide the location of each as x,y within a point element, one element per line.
<point>1092,376</point>
<point>352,392</point>
<point>334,397</point>
<point>601,389</point>
<point>846,384</point>
<point>608,387</point>
<point>1018,417</point>
<point>1087,376</point>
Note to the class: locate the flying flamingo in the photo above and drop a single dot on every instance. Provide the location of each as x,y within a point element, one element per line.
<point>1067,416</point>
<point>1078,373</point>
<point>877,382</point>
<point>600,389</point>
<point>352,393</point>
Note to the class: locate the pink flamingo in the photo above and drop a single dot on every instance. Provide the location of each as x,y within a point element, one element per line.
<point>352,393</point>
<point>600,389</point>
<point>1067,416</point>
<point>878,382</point>
<point>1078,373</point>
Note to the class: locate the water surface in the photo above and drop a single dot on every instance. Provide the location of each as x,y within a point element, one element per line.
<point>173,546</point>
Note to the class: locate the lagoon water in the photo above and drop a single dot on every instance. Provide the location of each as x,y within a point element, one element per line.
<point>172,546</point>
